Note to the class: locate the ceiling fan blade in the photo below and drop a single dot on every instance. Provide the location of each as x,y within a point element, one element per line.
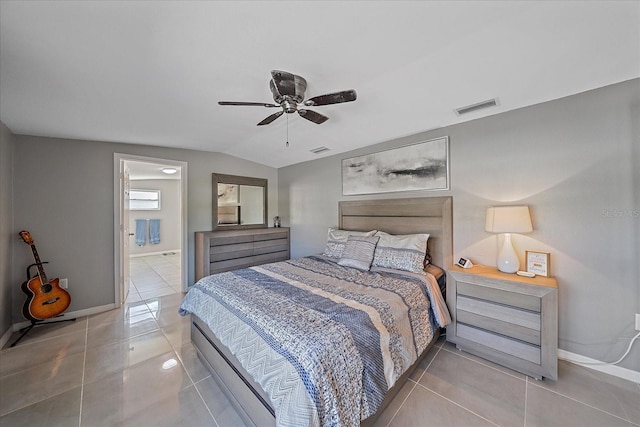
<point>332,98</point>
<point>313,116</point>
<point>251,104</point>
<point>271,118</point>
<point>284,82</point>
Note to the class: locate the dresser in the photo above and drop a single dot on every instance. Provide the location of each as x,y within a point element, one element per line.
<point>505,318</point>
<point>218,251</point>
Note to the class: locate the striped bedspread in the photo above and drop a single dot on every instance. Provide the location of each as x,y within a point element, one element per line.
<point>325,342</point>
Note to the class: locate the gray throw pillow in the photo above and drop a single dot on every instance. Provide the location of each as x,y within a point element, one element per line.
<point>358,252</point>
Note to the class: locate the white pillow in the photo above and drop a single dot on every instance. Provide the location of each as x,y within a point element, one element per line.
<point>358,252</point>
<point>337,239</point>
<point>401,252</point>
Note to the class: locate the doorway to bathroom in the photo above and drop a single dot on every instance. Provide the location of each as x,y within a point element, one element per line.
<point>151,229</point>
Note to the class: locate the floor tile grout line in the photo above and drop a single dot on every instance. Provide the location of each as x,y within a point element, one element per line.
<point>526,396</point>
<point>581,402</point>
<point>29,340</point>
<point>128,338</point>
<point>33,366</point>
<point>403,402</point>
<point>461,353</point>
<point>204,402</point>
<point>456,403</point>
<point>431,361</point>
<point>84,367</point>
<point>415,383</point>
<point>193,383</point>
<point>526,379</point>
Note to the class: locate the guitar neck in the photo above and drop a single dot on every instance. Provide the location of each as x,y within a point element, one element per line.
<point>36,257</point>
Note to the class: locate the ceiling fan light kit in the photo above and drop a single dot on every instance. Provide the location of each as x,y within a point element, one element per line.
<point>288,92</point>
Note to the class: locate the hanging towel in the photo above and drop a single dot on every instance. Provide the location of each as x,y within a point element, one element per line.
<point>141,232</point>
<point>154,231</point>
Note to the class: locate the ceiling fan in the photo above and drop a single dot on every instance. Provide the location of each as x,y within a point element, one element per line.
<point>288,92</point>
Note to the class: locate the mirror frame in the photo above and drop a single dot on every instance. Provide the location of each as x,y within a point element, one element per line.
<point>238,180</point>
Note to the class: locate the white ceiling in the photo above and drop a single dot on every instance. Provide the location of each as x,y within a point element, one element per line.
<point>152,72</point>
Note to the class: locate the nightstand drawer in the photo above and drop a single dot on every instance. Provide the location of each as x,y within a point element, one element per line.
<point>515,299</point>
<point>517,316</point>
<point>531,336</point>
<point>521,350</point>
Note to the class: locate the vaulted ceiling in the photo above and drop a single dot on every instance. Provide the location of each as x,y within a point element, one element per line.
<point>152,72</point>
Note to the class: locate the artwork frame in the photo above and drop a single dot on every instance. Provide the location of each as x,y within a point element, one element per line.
<point>228,194</point>
<point>538,263</point>
<point>422,166</point>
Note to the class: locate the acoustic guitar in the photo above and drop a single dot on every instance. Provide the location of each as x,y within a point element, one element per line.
<point>45,298</point>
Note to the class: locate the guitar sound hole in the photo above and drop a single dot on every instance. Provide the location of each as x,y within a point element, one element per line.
<point>47,288</point>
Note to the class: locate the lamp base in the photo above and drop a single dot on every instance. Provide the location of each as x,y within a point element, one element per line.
<point>508,261</point>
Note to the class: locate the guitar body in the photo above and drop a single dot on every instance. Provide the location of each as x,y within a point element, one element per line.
<point>44,301</point>
<point>45,298</point>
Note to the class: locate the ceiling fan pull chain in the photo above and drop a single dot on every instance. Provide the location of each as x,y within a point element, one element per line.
<point>287,130</point>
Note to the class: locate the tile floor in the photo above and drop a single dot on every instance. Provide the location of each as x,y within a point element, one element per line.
<point>135,366</point>
<point>154,276</point>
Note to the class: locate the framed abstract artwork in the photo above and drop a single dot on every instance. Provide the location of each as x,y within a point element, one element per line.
<point>421,166</point>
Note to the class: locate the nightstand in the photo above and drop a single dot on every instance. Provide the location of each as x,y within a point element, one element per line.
<point>505,318</point>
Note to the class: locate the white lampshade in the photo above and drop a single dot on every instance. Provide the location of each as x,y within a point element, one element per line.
<point>508,219</point>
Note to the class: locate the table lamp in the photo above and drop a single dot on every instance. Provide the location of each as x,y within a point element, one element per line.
<point>507,220</point>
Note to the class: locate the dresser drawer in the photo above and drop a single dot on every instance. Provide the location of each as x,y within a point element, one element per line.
<point>229,240</point>
<point>219,251</point>
<point>237,250</point>
<point>268,246</point>
<point>272,236</point>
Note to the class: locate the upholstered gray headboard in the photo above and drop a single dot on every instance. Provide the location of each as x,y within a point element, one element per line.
<point>431,215</point>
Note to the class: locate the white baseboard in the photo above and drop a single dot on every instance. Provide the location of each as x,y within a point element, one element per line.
<point>597,365</point>
<point>68,315</point>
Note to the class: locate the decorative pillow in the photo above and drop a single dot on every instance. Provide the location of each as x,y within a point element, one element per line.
<point>337,239</point>
<point>358,252</point>
<point>401,252</point>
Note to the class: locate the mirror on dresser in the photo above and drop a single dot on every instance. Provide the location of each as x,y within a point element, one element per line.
<point>239,202</point>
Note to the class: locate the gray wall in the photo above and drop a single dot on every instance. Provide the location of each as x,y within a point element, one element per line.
<point>63,194</point>
<point>169,216</point>
<point>575,161</point>
<point>7,236</point>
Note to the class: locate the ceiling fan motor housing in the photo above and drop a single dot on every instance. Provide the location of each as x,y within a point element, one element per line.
<point>293,89</point>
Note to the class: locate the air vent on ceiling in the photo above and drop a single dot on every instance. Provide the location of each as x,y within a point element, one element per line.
<point>319,150</point>
<point>475,107</point>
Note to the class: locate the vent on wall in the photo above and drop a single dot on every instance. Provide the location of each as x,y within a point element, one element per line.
<point>475,107</point>
<point>319,150</point>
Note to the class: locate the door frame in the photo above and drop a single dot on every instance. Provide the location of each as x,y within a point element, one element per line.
<point>119,158</point>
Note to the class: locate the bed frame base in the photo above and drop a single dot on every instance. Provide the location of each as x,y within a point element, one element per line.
<point>245,394</point>
<point>249,403</point>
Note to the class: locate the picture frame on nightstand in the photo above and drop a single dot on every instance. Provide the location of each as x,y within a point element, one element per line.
<point>538,262</point>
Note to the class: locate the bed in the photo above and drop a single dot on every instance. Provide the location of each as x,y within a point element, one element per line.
<point>360,334</point>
